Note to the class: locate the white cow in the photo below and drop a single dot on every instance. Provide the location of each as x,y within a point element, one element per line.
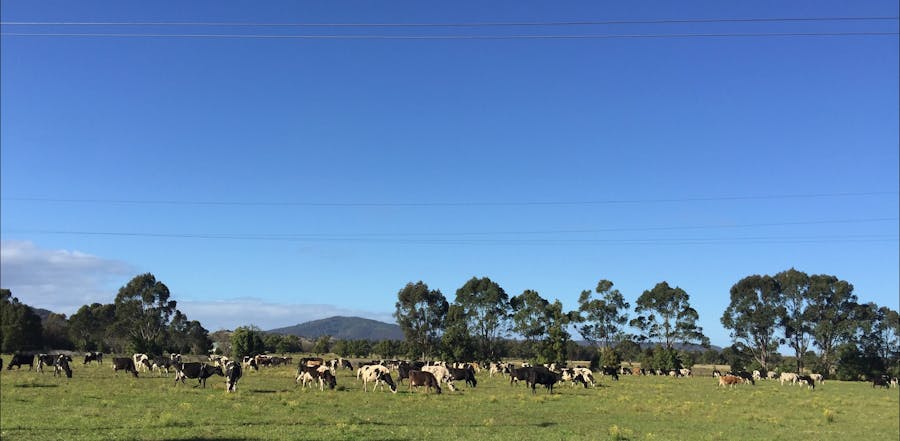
<point>788,376</point>
<point>377,374</point>
<point>441,374</point>
<point>586,374</point>
<point>141,362</point>
<point>818,378</point>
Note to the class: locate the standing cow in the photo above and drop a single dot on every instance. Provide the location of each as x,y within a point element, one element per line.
<point>124,364</point>
<point>233,373</point>
<point>200,371</point>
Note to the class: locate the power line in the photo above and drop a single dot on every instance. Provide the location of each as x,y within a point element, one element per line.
<point>461,24</point>
<point>452,37</point>
<point>450,204</point>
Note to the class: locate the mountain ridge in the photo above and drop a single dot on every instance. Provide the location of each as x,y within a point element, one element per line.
<point>343,328</point>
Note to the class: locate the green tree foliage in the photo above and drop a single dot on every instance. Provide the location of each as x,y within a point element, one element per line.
<point>290,344</point>
<point>420,314</point>
<point>20,327</point>
<point>143,311</point>
<point>89,327</point>
<point>796,321</point>
<point>530,319</point>
<point>737,357</point>
<point>187,336</point>
<point>554,345</point>
<point>56,332</point>
<point>610,357</point>
<point>753,315</point>
<point>247,341</point>
<point>323,345</point>
<point>486,307</point>
<point>629,350</point>
<point>457,343</point>
<point>666,315</point>
<point>602,318</point>
<point>831,308</point>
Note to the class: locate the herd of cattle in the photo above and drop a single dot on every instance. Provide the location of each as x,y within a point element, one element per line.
<point>317,371</point>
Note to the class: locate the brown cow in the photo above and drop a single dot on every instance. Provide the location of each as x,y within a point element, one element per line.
<point>730,380</point>
<point>422,378</point>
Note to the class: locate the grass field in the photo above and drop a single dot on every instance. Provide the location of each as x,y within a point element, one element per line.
<point>95,404</point>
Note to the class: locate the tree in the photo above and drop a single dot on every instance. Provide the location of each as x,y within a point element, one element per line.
<point>20,326</point>
<point>56,332</point>
<point>457,343</point>
<point>247,341</point>
<point>796,318</point>
<point>485,305</point>
<point>323,345</point>
<point>529,319</point>
<point>753,315</point>
<point>143,310</point>
<point>666,314</point>
<point>554,345</point>
<point>603,317</point>
<point>831,307</point>
<point>89,326</point>
<point>420,314</point>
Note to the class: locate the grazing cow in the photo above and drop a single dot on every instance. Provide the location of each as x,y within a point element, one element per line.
<point>45,359</point>
<point>771,375</point>
<point>716,373</point>
<point>93,356</point>
<point>442,374</point>
<point>747,376</point>
<point>586,375</point>
<point>312,361</point>
<point>516,374</point>
<point>200,371</point>
<point>498,368</point>
<point>685,372</point>
<point>322,374</point>
<point>570,375</point>
<point>346,364</point>
<point>637,371</point>
<point>788,376</point>
<point>539,375</point>
<point>729,380</point>
<point>466,374</point>
<point>757,375</point>
<point>141,361</point>
<point>377,374</point>
<point>125,364</point>
<point>233,373</point>
<point>808,380</point>
<point>62,365</point>
<point>423,378</point>
<point>881,380</point>
<point>161,365</point>
<point>611,371</point>
<point>818,377</point>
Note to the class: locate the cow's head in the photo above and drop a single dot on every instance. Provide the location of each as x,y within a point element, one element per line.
<point>385,377</point>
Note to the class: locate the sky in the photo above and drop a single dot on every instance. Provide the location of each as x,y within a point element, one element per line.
<point>272,181</point>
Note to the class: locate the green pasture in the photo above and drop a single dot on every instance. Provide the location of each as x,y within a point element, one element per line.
<point>95,404</point>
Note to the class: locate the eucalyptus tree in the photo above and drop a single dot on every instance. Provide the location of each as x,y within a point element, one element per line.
<point>420,313</point>
<point>832,306</point>
<point>486,307</point>
<point>20,326</point>
<point>529,318</point>
<point>554,347</point>
<point>665,314</point>
<point>797,320</point>
<point>753,315</point>
<point>601,319</point>
<point>143,311</point>
<point>457,343</point>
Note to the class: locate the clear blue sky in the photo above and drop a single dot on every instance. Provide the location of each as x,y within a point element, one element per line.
<point>544,164</point>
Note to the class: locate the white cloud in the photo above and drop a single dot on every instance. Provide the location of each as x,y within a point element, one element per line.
<point>229,314</point>
<point>59,280</point>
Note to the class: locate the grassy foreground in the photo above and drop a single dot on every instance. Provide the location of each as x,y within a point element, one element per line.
<point>94,404</point>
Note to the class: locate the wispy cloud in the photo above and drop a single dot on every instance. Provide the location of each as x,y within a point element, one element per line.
<point>58,280</point>
<point>229,314</point>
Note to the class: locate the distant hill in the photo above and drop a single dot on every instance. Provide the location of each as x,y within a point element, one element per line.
<point>42,313</point>
<point>344,328</point>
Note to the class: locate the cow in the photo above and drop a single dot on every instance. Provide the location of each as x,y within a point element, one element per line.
<point>539,375</point>
<point>516,374</point>
<point>233,373</point>
<point>377,374</point>
<point>747,376</point>
<point>729,380</point>
<point>312,361</point>
<point>44,359</point>
<point>570,375</point>
<point>586,375</point>
<point>757,375</point>
<point>498,368</point>
<point>423,378</point>
<point>716,373</point>
<point>93,356</point>
<point>141,361</point>
<point>788,376</point>
<point>686,372</point>
<point>200,371</point>
<point>611,371</point>
<point>466,374</point>
<point>818,377</point>
<point>124,363</point>
<point>322,374</point>
<point>808,380</point>
<point>62,365</point>
<point>346,364</point>
<point>881,380</point>
<point>771,375</point>
<point>442,374</point>
<point>161,365</point>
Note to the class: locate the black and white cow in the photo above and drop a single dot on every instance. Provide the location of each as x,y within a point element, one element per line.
<point>45,360</point>
<point>377,374</point>
<point>161,365</point>
<point>93,356</point>
<point>467,374</point>
<point>422,378</point>
<point>62,365</point>
<point>233,373</point>
<point>200,371</point>
<point>124,364</point>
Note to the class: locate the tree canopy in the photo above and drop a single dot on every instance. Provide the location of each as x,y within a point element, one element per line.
<point>665,314</point>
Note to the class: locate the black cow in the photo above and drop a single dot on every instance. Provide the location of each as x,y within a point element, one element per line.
<point>200,371</point>
<point>422,378</point>
<point>93,356</point>
<point>881,380</point>
<point>516,374</point>
<point>467,374</point>
<point>21,359</point>
<point>747,376</point>
<point>62,365</point>
<point>233,373</point>
<point>346,364</point>
<point>611,371</point>
<point>124,364</point>
<point>539,375</point>
<point>808,380</point>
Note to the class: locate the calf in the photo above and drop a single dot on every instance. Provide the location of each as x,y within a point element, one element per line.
<point>125,364</point>
<point>93,356</point>
<point>539,375</point>
<point>200,371</point>
<point>422,378</point>
<point>729,380</point>
<point>233,373</point>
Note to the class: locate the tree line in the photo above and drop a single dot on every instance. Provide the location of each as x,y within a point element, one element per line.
<point>143,318</point>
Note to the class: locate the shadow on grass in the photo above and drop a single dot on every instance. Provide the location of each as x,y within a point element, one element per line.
<point>546,424</point>
<point>268,391</point>
<point>35,385</point>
